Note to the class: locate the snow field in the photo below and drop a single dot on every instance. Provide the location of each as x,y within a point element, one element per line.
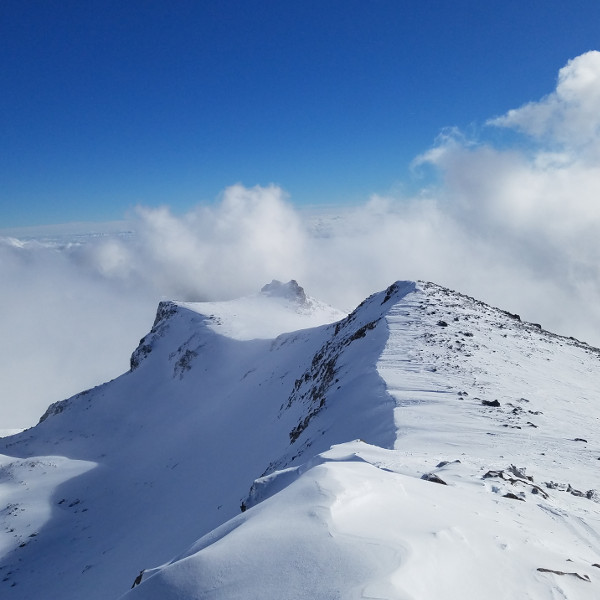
<point>324,435</point>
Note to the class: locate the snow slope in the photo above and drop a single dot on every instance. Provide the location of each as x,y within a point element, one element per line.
<point>335,440</point>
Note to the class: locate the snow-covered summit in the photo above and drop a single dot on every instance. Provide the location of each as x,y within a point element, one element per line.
<point>281,308</point>
<point>335,441</point>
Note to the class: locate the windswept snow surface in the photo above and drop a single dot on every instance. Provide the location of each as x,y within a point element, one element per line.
<point>336,441</point>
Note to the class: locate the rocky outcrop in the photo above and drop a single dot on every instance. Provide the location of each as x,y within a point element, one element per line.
<point>166,309</point>
<point>290,291</point>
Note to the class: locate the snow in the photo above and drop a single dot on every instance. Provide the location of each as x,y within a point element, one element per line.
<point>26,489</point>
<point>326,434</point>
<point>266,315</point>
<point>353,529</point>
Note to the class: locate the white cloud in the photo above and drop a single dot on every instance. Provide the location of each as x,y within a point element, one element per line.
<point>570,114</point>
<point>64,328</point>
<point>250,236</point>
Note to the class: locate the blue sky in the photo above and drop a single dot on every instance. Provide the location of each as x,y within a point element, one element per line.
<point>110,104</point>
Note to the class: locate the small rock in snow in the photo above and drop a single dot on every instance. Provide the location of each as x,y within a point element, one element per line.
<point>493,403</point>
<point>433,478</point>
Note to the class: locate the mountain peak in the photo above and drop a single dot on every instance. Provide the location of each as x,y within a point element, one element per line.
<point>290,291</point>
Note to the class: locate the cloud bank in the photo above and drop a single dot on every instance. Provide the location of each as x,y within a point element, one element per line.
<point>568,116</point>
<point>515,227</point>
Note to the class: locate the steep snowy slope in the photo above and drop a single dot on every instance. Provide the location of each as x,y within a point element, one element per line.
<point>419,386</point>
<point>131,472</point>
<point>502,412</point>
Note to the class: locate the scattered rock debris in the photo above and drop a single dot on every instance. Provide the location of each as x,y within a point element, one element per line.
<point>567,487</point>
<point>514,476</point>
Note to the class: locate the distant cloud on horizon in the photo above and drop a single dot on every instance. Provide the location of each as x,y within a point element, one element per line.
<point>516,227</point>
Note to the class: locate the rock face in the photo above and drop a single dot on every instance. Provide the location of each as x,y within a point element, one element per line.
<point>165,311</point>
<point>290,291</point>
<point>329,436</point>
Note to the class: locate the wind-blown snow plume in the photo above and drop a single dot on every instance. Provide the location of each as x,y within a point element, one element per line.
<point>515,226</point>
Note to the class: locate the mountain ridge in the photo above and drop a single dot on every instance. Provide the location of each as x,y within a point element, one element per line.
<point>422,374</point>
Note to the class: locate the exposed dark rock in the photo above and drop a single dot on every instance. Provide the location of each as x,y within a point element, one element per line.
<point>390,292</point>
<point>138,579</point>
<point>165,310</point>
<point>567,487</point>
<point>362,331</point>
<point>446,462</point>
<point>183,364</point>
<point>58,407</point>
<point>514,316</point>
<point>512,496</point>
<point>290,290</point>
<point>582,577</point>
<point>493,403</point>
<point>140,353</point>
<point>433,478</point>
<point>571,490</point>
<point>296,431</point>
<point>54,409</point>
<point>519,472</point>
<point>518,477</point>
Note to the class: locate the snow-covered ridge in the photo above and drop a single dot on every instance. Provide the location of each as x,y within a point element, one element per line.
<point>278,308</point>
<point>335,440</point>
